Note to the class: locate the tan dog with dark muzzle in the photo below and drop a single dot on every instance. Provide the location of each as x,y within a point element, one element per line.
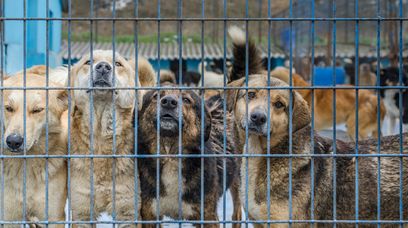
<point>112,133</point>
<point>29,137</point>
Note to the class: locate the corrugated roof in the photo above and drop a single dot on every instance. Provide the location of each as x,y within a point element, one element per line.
<point>170,51</point>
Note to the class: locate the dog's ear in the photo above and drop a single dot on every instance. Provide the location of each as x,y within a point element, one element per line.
<point>232,94</point>
<point>301,113</point>
<point>60,100</point>
<point>207,124</point>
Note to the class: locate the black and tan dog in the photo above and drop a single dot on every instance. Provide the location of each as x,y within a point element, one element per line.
<point>291,179</point>
<point>169,101</point>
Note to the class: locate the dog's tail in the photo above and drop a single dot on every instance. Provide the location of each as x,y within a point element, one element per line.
<point>167,76</point>
<point>240,57</point>
<point>147,75</point>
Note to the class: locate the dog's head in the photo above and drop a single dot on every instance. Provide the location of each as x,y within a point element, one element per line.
<point>257,118</point>
<point>170,103</point>
<point>35,112</point>
<point>102,71</point>
<point>390,77</point>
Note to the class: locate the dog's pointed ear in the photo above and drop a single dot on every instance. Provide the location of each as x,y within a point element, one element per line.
<point>207,124</point>
<point>301,113</point>
<point>232,94</point>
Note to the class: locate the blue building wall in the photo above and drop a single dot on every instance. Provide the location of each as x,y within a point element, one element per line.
<point>35,34</point>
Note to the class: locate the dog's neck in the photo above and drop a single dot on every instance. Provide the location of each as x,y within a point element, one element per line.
<point>107,120</point>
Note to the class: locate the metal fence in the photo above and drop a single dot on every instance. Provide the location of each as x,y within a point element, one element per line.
<point>294,215</point>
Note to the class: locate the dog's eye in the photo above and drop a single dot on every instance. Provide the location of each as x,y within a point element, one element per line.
<point>186,100</point>
<point>251,95</point>
<point>37,110</point>
<point>9,109</point>
<point>155,95</point>
<point>88,62</point>
<point>278,105</point>
<point>118,64</point>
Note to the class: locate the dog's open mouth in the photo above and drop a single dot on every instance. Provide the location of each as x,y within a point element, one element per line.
<point>101,83</point>
<point>168,124</point>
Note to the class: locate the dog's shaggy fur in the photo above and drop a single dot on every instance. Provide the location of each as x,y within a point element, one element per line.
<point>298,172</point>
<point>34,132</point>
<point>190,167</point>
<point>107,104</point>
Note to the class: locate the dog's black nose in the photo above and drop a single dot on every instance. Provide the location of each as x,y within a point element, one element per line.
<point>169,102</point>
<point>14,141</point>
<point>258,117</point>
<point>103,68</point>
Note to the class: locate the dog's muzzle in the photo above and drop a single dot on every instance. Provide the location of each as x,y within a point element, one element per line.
<point>257,122</point>
<point>102,75</point>
<point>169,123</point>
<point>15,142</point>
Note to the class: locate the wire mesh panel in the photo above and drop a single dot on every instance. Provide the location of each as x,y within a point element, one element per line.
<point>204,113</point>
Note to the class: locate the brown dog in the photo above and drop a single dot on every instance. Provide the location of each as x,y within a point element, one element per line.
<point>267,113</point>
<point>345,106</point>
<point>190,167</point>
<point>107,105</point>
<point>31,138</point>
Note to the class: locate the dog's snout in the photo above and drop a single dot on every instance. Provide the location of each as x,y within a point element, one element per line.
<point>258,117</point>
<point>103,68</point>
<point>169,102</point>
<point>14,141</point>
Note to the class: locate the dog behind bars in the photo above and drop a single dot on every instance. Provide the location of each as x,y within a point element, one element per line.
<point>191,168</point>
<point>110,111</point>
<point>29,137</point>
<point>292,177</point>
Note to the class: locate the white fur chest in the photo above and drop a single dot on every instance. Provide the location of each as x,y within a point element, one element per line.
<point>248,178</point>
<point>254,209</point>
<point>389,103</point>
<point>169,203</point>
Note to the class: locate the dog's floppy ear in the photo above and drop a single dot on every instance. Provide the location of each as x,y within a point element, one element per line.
<point>301,113</point>
<point>232,94</point>
<point>60,100</point>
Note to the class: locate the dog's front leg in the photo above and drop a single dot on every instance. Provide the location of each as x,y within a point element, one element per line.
<point>146,211</point>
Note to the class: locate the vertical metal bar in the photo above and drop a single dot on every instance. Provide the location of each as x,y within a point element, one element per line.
<point>334,166</point>
<point>24,112</point>
<point>378,115</point>
<point>2,111</point>
<point>268,137</point>
<point>180,103</point>
<point>158,121</point>
<point>136,112</point>
<point>290,110</point>
<point>113,116</point>
<point>246,115</point>
<point>224,162</point>
<point>91,117</point>
<point>69,116</point>
<point>2,75</point>
<point>202,116</point>
<point>47,63</point>
<point>312,144</point>
<point>356,67</point>
<point>401,141</point>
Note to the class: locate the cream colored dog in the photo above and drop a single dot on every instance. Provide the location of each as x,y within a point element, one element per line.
<point>30,139</point>
<point>100,75</point>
